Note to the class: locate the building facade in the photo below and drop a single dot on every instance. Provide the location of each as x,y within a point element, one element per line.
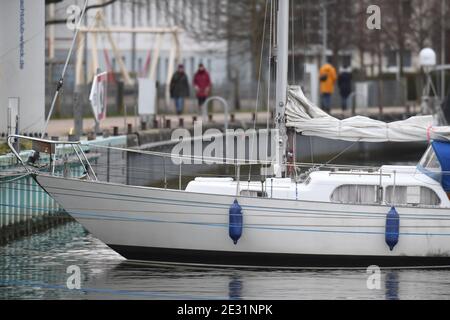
<point>137,50</point>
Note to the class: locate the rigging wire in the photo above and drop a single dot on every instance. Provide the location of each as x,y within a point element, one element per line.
<point>269,78</point>
<point>259,86</point>
<point>61,80</point>
<point>293,41</point>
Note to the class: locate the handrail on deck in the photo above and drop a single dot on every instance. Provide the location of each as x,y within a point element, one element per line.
<point>76,147</point>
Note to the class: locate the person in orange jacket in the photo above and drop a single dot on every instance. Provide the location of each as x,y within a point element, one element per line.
<point>328,77</point>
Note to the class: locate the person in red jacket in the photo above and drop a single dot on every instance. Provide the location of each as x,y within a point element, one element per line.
<point>202,84</point>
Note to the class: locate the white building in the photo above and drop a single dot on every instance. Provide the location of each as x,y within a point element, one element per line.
<point>147,13</point>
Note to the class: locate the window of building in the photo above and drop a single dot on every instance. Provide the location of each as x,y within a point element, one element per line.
<point>113,14</point>
<point>122,13</point>
<point>140,67</point>
<point>158,9</point>
<point>346,60</point>
<point>355,194</point>
<point>407,58</point>
<point>158,70</point>
<point>149,13</point>
<point>412,196</point>
<point>138,13</point>
<point>392,58</point>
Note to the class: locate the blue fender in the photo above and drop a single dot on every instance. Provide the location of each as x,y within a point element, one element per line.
<point>236,222</point>
<point>392,228</point>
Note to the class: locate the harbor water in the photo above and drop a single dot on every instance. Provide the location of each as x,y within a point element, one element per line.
<point>36,268</point>
<point>39,267</point>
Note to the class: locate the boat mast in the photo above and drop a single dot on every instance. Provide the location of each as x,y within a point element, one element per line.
<point>282,56</point>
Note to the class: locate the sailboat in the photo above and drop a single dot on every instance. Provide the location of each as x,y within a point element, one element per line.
<point>393,216</point>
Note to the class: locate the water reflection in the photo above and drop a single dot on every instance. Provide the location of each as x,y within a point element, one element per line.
<point>235,287</point>
<point>35,268</point>
<point>392,285</point>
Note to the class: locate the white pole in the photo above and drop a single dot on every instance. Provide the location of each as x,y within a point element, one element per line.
<point>155,57</point>
<point>51,33</point>
<point>282,83</point>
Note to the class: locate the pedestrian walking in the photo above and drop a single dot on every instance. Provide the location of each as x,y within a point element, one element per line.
<point>345,86</point>
<point>328,77</point>
<point>179,88</point>
<point>202,84</point>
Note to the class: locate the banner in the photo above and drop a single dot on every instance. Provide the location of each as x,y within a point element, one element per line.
<point>98,96</point>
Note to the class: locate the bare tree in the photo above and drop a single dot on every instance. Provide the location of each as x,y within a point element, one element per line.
<point>340,21</point>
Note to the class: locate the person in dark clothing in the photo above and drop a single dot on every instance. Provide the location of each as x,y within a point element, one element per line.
<point>179,88</point>
<point>202,84</point>
<point>345,86</point>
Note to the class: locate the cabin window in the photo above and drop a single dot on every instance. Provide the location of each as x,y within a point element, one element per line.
<point>412,196</point>
<point>355,194</point>
<point>430,162</point>
<point>253,194</point>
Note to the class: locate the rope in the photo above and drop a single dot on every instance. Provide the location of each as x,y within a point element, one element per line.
<point>342,152</point>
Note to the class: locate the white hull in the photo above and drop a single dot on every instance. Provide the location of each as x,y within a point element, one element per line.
<point>177,226</point>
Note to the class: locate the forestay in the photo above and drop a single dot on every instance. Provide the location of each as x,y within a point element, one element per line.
<point>310,120</point>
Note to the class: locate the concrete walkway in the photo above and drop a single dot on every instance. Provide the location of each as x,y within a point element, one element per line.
<point>63,127</point>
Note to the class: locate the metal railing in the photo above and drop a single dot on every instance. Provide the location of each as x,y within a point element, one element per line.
<point>135,169</point>
<point>50,147</point>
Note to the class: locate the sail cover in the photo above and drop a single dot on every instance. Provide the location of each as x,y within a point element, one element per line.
<point>310,120</point>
